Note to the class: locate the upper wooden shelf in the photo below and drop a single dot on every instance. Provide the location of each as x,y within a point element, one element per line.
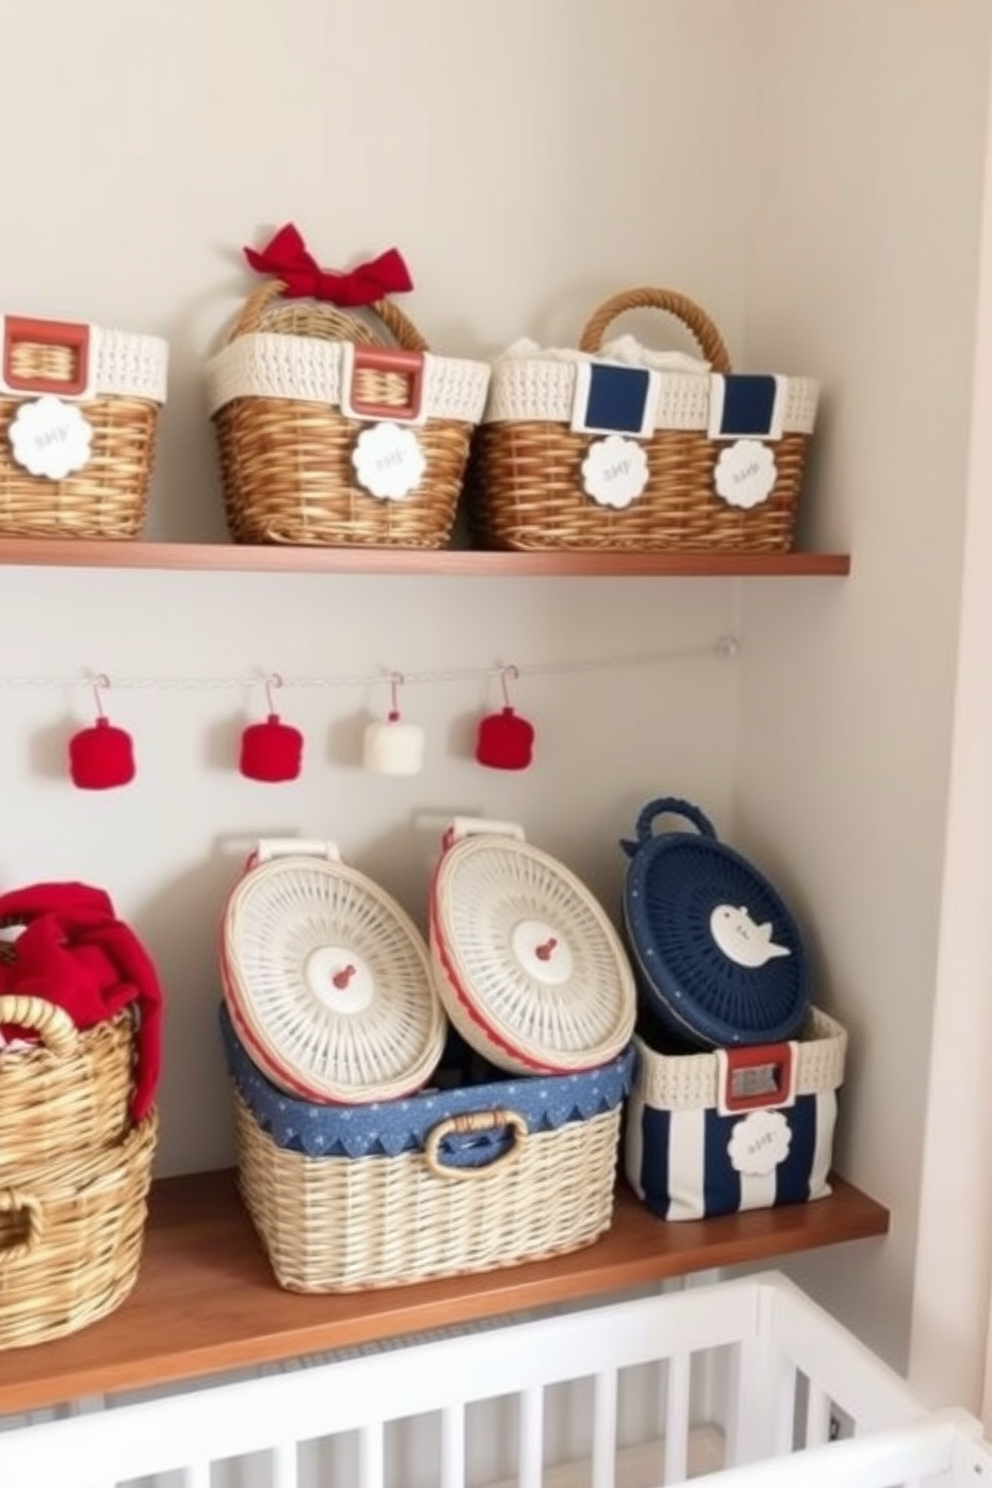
<point>588,563</point>
<point>206,1301</point>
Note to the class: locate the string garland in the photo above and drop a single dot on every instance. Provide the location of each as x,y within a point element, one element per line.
<point>725,647</point>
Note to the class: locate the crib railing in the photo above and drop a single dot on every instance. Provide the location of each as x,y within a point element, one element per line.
<point>753,1362</point>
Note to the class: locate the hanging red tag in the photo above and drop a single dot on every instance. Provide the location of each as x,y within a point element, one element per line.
<point>101,757</point>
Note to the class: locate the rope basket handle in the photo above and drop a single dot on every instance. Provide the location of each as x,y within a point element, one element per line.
<point>253,314</point>
<point>667,806</point>
<point>692,316</point>
<point>474,1121</point>
<point>52,1024</point>
<point>14,1201</point>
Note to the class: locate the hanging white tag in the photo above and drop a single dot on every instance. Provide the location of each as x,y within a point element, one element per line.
<point>615,471</point>
<point>389,461</point>
<point>745,473</point>
<point>50,438</point>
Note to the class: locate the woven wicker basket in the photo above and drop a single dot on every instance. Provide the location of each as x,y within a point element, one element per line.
<point>278,393</point>
<point>529,486</point>
<point>71,1236</point>
<point>447,1182</point>
<point>69,1094</point>
<point>116,381</point>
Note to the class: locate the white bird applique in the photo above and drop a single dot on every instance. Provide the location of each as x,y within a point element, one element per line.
<point>741,940</point>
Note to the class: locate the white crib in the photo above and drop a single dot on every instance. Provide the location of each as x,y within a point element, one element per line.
<point>746,1381</point>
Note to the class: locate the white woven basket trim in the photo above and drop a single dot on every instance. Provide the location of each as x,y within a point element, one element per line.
<point>688,1082</point>
<point>527,388</point>
<point>129,365</point>
<point>306,369</point>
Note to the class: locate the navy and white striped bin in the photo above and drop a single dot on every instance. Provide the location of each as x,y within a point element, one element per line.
<point>733,1129</point>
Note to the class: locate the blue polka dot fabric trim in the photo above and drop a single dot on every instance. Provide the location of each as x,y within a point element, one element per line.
<point>463,1083</point>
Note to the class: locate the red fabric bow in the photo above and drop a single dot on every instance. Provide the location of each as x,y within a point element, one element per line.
<point>74,952</point>
<point>286,258</point>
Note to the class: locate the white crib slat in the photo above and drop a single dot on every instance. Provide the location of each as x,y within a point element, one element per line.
<point>196,1475</point>
<point>453,1447</point>
<point>818,1410</point>
<point>604,1442</point>
<point>371,1456</point>
<point>531,1455</point>
<point>285,1464</point>
<point>785,1408</point>
<point>677,1418</point>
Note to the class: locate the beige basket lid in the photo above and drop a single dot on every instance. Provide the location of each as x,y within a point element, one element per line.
<point>327,979</point>
<point>528,966</point>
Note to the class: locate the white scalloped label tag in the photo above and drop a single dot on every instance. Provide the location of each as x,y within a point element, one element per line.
<point>759,1143</point>
<point>745,473</point>
<point>615,471</point>
<point>50,438</point>
<point>389,461</point>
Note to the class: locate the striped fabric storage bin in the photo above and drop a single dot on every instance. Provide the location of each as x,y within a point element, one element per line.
<point>733,1129</point>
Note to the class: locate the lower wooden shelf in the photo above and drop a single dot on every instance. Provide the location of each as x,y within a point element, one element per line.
<point>206,1302</point>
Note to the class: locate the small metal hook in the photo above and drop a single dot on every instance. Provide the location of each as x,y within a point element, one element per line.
<point>396,681</point>
<point>504,672</point>
<point>100,680</point>
<point>272,681</point>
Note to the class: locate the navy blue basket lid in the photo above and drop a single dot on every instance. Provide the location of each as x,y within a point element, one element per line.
<point>464,1083</point>
<point>719,956</point>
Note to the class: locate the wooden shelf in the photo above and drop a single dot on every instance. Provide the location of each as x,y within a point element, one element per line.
<point>84,553</point>
<point>206,1302</point>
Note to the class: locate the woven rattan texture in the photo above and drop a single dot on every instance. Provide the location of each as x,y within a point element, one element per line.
<point>70,1094</point>
<point>684,1082</point>
<point>108,498</point>
<point>350,1224</point>
<point>71,1236</point>
<point>526,475</point>
<point>286,463</point>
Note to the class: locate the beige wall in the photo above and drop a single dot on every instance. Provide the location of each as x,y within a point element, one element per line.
<point>810,173</point>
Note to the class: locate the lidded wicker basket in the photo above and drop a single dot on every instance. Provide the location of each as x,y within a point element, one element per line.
<point>528,966</point>
<point>592,451</point>
<point>79,410</point>
<point>338,427</point>
<point>327,979</point>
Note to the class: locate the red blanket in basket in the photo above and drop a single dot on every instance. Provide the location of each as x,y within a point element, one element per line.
<point>74,951</point>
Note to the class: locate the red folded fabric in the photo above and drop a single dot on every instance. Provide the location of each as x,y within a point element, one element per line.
<point>75,952</point>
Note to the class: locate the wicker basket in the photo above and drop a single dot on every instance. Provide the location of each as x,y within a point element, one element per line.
<point>467,1177</point>
<point>57,381</point>
<point>69,1094</point>
<point>669,438</point>
<point>299,397</point>
<point>71,1237</point>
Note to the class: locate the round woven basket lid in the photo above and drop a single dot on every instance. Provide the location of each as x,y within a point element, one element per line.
<point>529,968</point>
<point>327,979</point>
<point>720,957</point>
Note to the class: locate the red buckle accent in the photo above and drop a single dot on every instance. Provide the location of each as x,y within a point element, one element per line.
<point>68,334</point>
<point>383,359</point>
<point>777,1089</point>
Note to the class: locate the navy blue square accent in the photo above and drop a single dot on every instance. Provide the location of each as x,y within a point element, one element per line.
<point>617,399</point>
<point>748,405</point>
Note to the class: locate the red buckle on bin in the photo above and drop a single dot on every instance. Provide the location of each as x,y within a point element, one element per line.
<point>357,359</point>
<point>760,1078</point>
<point>68,335</point>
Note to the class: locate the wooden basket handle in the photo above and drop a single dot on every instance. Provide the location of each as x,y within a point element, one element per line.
<point>474,1121</point>
<point>692,316</point>
<point>14,1201</point>
<point>258,312</point>
<point>50,1022</point>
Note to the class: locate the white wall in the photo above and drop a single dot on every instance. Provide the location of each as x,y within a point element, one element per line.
<point>864,266</point>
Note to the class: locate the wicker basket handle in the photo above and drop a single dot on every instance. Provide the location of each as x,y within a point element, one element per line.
<point>474,1121</point>
<point>52,1024</point>
<point>667,806</point>
<point>331,319</point>
<point>15,1201</point>
<point>692,316</point>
